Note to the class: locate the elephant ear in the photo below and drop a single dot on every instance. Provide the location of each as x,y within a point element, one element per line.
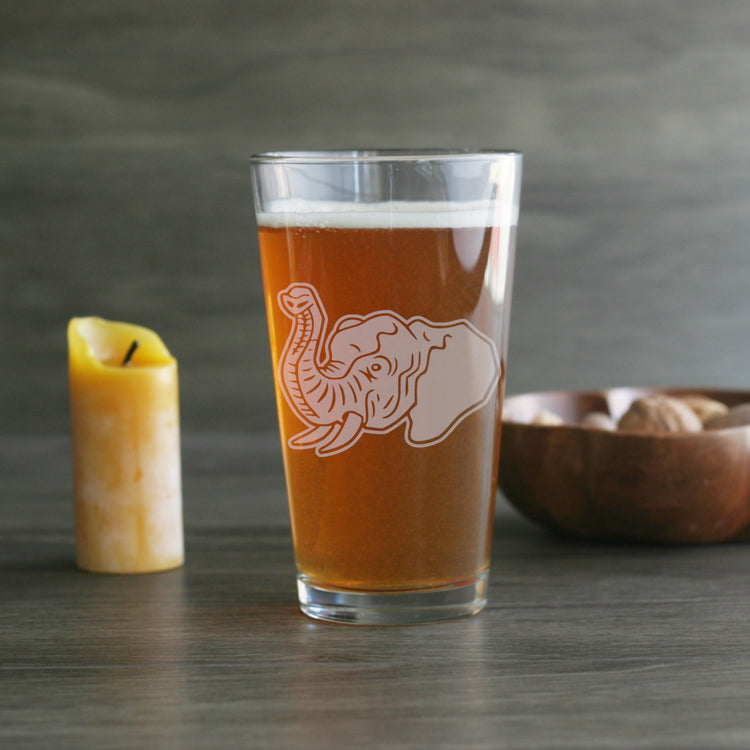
<point>462,373</point>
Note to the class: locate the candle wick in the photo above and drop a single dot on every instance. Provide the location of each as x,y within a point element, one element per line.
<point>130,353</point>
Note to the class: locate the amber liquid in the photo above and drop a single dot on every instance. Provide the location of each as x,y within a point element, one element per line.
<point>383,515</point>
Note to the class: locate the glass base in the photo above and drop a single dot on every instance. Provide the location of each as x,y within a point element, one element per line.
<point>392,608</point>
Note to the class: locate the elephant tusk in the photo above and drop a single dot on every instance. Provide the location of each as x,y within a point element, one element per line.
<point>342,437</point>
<point>313,436</point>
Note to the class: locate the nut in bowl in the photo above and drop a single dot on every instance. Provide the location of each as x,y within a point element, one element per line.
<point>664,465</point>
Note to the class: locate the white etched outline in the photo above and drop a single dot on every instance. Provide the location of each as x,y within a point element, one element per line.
<point>373,373</point>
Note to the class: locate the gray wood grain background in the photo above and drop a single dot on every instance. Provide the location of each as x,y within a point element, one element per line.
<point>125,129</point>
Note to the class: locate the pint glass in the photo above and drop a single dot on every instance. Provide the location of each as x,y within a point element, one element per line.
<point>387,278</point>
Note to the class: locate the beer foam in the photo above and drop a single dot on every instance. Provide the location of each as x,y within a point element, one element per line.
<point>391,215</point>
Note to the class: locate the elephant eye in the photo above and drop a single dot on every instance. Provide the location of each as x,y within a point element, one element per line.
<point>376,369</point>
<point>370,372</point>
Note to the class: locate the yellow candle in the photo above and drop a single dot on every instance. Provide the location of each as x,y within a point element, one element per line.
<point>126,448</point>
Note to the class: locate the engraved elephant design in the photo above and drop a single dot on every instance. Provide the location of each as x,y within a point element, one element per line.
<point>372,373</point>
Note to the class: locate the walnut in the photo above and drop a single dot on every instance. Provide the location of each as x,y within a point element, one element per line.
<point>598,420</point>
<point>706,408</point>
<point>547,418</point>
<point>737,416</point>
<point>660,413</point>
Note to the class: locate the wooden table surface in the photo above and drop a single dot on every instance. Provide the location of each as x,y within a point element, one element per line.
<point>581,646</point>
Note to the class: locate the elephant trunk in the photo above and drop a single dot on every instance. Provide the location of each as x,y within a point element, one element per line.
<point>314,390</point>
<point>319,398</point>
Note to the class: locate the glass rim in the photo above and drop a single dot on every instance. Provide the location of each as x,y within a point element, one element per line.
<point>378,155</point>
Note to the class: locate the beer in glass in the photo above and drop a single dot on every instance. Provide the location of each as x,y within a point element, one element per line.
<point>387,279</point>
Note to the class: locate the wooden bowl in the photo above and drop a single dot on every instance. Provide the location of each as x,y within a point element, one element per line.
<point>625,486</point>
